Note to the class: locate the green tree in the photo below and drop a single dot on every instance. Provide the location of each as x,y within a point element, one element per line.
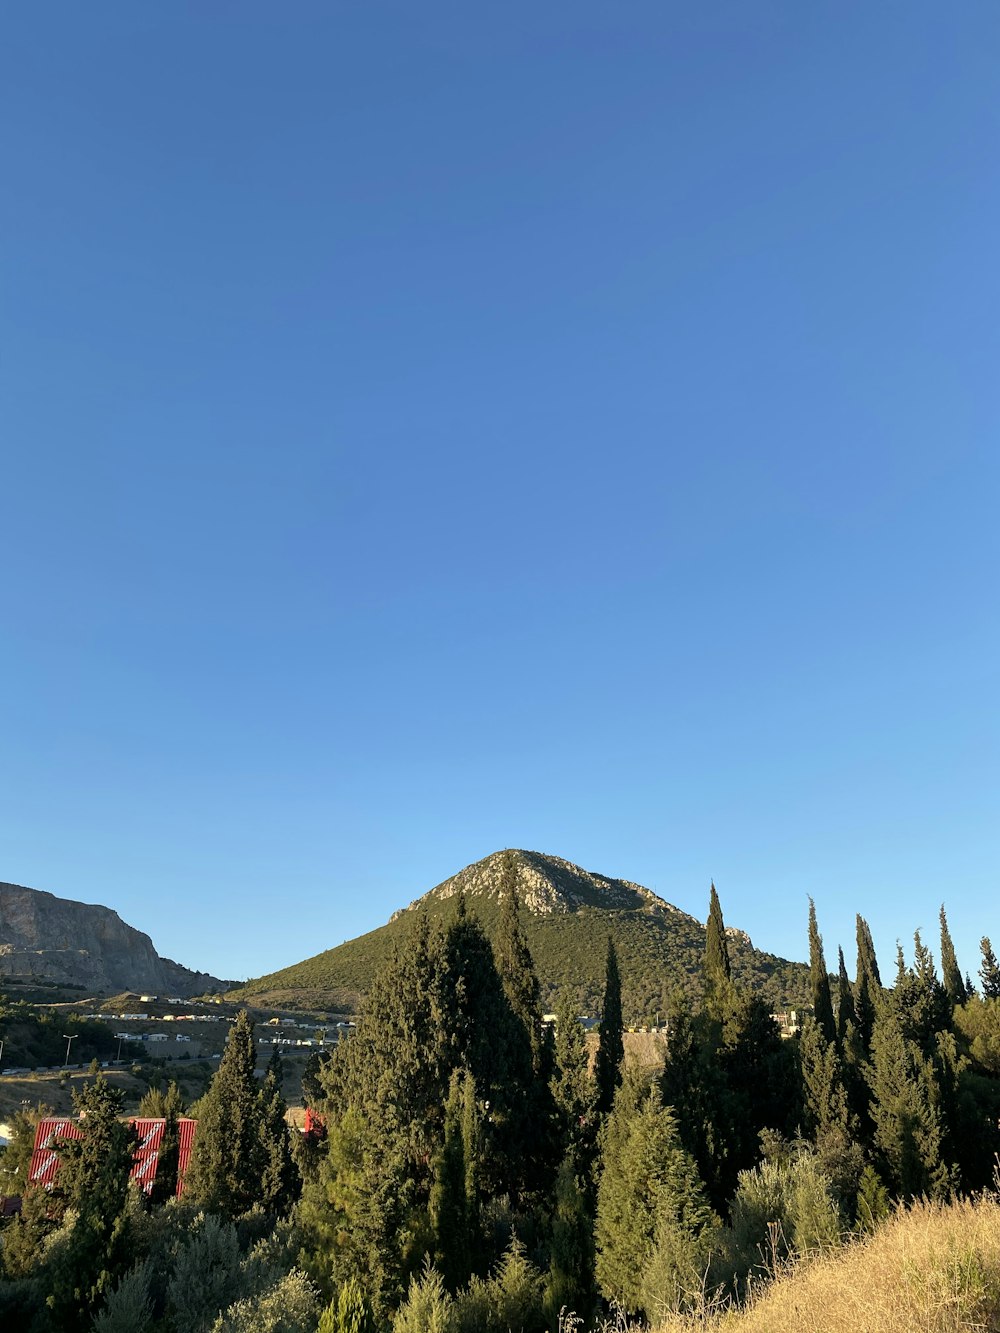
<point>280,1182</point>
<point>569,1282</point>
<point>989,972</point>
<point>171,1108</point>
<point>905,1111</point>
<point>516,968</point>
<point>655,1229</point>
<point>825,1097</point>
<point>950,973</point>
<point>819,980</point>
<point>227,1160</point>
<point>867,985</point>
<point>611,1046</point>
<point>571,1086</point>
<point>93,1182</point>
<point>453,1205</point>
<point>846,1013</point>
<point>717,966</point>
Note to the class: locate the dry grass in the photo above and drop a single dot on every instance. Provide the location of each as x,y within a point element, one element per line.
<point>929,1269</point>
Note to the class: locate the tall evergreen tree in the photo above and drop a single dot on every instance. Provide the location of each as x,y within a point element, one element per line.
<point>227,1160</point>
<point>611,1046</point>
<point>989,972</point>
<point>571,1087</point>
<point>950,972</point>
<point>825,1097</point>
<point>819,980</point>
<point>280,1181</point>
<point>867,986</point>
<point>452,1210</point>
<point>569,1284</point>
<point>516,968</point>
<point>165,1180</point>
<point>718,967</point>
<point>846,1013</point>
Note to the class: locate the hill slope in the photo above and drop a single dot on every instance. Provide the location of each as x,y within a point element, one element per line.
<point>567,913</point>
<point>45,938</point>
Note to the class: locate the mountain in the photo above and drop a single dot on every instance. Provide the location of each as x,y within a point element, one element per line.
<point>45,938</point>
<point>567,914</point>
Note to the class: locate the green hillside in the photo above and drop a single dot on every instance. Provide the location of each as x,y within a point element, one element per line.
<point>567,913</point>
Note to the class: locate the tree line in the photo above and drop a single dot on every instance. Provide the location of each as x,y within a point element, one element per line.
<point>474,1172</point>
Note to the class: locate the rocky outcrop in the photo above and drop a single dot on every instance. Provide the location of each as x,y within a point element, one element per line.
<point>546,885</point>
<point>54,939</point>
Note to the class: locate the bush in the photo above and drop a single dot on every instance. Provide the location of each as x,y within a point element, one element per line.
<point>127,1308</point>
<point>290,1306</point>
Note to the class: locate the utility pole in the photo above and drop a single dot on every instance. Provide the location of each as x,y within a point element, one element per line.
<point>118,1057</point>
<point>70,1037</point>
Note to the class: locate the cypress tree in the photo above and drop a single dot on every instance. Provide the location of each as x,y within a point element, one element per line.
<point>280,1180</point>
<point>718,969</point>
<point>867,986</point>
<point>950,973</point>
<point>227,1159</point>
<point>825,1098</point>
<point>611,1046</point>
<point>516,968</point>
<point>845,999</point>
<point>867,958</point>
<point>449,1200</point>
<point>989,972</point>
<point>569,1283</point>
<point>819,980</point>
<point>571,1088</point>
<point>165,1181</point>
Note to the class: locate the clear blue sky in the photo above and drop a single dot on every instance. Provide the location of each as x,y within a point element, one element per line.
<point>434,428</point>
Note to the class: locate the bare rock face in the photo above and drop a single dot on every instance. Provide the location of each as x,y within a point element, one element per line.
<point>54,939</point>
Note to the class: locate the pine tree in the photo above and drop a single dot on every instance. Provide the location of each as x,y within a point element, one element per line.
<point>611,1047</point>
<point>227,1160</point>
<point>819,980</point>
<point>950,973</point>
<point>846,1013</point>
<point>989,972</point>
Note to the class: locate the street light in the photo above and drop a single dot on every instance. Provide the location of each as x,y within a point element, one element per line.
<point>2,1039</point>
<point>70,1037</point>
<point>118,1057</point>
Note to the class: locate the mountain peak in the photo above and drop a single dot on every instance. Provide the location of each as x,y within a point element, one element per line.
<point>546,885</point>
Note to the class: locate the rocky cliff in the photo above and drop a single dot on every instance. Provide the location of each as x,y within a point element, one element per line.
<point>54,939</point>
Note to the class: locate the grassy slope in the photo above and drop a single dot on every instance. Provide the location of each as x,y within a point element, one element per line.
<point>655,953</point>
<point>934,1268</point>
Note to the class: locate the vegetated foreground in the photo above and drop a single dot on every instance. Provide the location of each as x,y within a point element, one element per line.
<point>930,1267</point>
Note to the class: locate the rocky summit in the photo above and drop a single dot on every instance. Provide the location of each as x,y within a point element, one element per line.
<point>50,939</point>
<point>568,914</point>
